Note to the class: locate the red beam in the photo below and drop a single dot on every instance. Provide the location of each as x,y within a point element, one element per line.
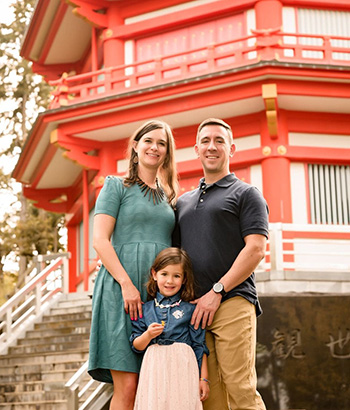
<point>319,155</point>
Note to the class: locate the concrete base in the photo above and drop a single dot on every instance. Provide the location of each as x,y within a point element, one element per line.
<point>303,352</point>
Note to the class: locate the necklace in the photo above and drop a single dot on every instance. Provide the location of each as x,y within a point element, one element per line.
<point>160,305</point>
<point>157,194</point>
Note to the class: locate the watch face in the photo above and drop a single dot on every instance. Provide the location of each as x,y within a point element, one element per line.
<point>218,287</point>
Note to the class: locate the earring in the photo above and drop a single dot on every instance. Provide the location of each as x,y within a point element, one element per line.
<point>135,159</point>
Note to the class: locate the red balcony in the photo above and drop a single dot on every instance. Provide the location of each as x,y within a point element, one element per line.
<point>284,49</point>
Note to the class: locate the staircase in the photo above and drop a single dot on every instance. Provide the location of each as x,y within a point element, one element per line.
<point>34,372</point>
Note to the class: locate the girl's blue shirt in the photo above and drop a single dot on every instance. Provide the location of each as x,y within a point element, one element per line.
<point>177,328</point>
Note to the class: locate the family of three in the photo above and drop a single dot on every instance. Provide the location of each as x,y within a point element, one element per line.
<point>175,302</point>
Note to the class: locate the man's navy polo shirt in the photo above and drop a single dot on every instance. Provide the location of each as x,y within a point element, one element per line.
<point>211,224</point>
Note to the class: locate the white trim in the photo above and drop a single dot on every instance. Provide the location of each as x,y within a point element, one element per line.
<point>251,25</point>
<point>248,142</point>
<point>319,140</point>
<point>298,192</point>
<point>256,177</point>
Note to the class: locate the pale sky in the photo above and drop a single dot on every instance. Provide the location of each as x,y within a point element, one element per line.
<point>5,12</point>
<point>5,17</point>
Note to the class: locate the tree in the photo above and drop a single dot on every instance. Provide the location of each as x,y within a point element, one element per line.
<point>24,229</point>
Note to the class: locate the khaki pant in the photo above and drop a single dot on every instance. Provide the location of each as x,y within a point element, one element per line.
<point>231,340</point>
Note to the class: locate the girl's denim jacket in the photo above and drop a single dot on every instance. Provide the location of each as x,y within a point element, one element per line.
<point>177,326</point>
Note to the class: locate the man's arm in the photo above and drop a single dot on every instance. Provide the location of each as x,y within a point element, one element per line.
<point>245,263</point>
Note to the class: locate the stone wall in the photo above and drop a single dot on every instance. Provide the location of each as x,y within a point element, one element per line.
<point>303,352</point>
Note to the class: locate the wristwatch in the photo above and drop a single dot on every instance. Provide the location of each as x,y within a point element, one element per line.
<point>218,287</point>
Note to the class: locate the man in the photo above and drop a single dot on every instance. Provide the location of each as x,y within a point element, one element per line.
<point>223,225</point>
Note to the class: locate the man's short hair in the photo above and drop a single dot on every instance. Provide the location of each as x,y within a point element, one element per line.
<point>215,121</point>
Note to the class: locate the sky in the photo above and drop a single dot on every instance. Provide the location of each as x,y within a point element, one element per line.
<point>5,199</point>
<point>5,12</point>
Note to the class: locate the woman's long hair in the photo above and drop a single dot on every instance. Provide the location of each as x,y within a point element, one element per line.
<point>173,256</point>
<point>167,173</point>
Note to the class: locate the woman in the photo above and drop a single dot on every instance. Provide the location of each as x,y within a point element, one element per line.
<point>133,222</point>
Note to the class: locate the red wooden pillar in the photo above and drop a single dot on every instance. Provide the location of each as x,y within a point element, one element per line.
<point>108,165</point>
<point>276,186</point>
<point>86,229</point>
<point>113,47</point>
<point>276,171</point>
<point>73,264</point>
<point>268,14</point>
<point>94,54</point>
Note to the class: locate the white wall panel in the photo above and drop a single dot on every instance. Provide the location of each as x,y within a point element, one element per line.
<point>298,193</point>
<point>256,177</point>
<point>319,140</point>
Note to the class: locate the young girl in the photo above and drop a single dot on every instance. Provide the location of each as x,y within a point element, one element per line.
<point>174,371</point>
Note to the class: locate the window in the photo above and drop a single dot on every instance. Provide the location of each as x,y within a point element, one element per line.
<point>325,22</point>
<point>329,187</point>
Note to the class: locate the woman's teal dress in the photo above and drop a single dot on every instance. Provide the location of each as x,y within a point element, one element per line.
<point>141,231</point>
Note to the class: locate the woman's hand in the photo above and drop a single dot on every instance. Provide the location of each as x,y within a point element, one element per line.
<point>132,301</point>
<point>154,330</point>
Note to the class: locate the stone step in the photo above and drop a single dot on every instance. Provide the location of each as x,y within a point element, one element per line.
<point>67,316</point>
<point>69,330</point>
<point>36,405</point>
<point>37,376</point>
<point>46,357</point>
<point>31,370</point>
<point>34,372</point>
<point>57,324</point>
<point>72,310</point>
<point>32,386</point>
<point>29,341</point>
<point>66,303</point>
<point>48,347</point>
<point>38,395</point>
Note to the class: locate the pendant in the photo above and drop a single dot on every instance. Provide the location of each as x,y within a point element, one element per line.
<point>157,194</point>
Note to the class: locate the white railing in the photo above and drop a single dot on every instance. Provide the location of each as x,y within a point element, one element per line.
<point>21,310</point>
<point>317,248</point>
<point>77,387</point>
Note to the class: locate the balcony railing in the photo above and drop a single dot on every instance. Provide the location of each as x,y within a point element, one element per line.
<point>320,249</point>
<point>264,45</point>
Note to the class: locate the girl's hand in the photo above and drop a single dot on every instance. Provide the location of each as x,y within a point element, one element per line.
<point>132,301</point>
<point>203,390</point>
<point>154,330</point>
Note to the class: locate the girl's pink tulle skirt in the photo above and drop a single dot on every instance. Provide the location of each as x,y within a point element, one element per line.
<point>169,379</point>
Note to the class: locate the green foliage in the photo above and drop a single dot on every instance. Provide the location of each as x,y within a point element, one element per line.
<point>26,91</point>
<point>24,229</point>
<point>37,232</point>
<point>7,288</point>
